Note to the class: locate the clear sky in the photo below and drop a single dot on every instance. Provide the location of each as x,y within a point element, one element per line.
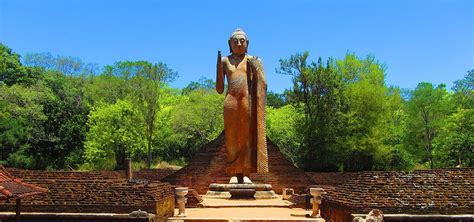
<point>427,40</point>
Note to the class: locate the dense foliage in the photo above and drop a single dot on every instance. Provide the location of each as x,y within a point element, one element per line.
<point>57,112</point>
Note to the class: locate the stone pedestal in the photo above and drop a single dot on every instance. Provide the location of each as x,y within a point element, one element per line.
<point>241,191</point>
<point>181,199</point>
<point>316,200</point>
<point>287,192</point>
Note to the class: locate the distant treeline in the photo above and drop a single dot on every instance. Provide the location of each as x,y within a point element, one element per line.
<point>57,112</point>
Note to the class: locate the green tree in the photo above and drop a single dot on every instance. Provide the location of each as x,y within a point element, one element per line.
<point>68,65</point>
<point>426,112</point>
<point>203,84</point>
<point>147,84</point>
<point>144,80</point>
<point>12,71</point>
<point>44,60</point>
<point>65,125</point>
<point>455,142</point>
<point>347,119</point>
<point>22,123</point>
<point>464,91</point>
<point>168,144</point>
<point>105,89</point>
<point>197,120</point>
<point>317,94</point>
<point>282,128</point>
<point>366,97</point>
<point>394,124</point>
<point>275,100</point>
<point>115,133</point>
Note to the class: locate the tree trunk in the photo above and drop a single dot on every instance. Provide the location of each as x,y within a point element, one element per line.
<point>430,154</point>
<point>149,153</point>
<point>150,137</point>
<point>459,160</point>
<point>120,156</point>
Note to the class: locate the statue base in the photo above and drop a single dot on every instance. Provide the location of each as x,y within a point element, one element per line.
<point>247,190</point>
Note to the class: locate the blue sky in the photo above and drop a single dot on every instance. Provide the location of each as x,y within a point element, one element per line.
<point>417,40</point>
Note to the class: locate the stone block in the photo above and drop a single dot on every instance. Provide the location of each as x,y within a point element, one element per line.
<point>242,193</point>
<point>218,194</point>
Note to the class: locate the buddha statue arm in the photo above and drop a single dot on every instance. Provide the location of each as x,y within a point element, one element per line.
<point>220,74</point>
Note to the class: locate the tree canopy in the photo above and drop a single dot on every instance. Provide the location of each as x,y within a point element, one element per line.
<point>58,112</point>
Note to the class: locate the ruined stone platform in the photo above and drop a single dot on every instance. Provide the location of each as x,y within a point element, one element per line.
<point>244,214</point>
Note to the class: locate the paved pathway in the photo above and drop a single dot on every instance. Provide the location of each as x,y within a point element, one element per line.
<point>244,210</point>
<point>243,214</point>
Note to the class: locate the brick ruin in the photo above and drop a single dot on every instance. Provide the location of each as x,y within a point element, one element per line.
<point>423,195</point>
<point>421,192</point>
<point>208,166</point>
<point>93,192</point>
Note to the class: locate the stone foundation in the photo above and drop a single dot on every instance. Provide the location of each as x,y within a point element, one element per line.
<point>86,192</point>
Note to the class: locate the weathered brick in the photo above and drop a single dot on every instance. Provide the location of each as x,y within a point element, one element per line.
<point>209,164</point>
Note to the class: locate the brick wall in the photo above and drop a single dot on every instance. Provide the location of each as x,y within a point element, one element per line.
<point>336,212</point>
<point>209,164</point>
<point>441,191</point>
<point>153,174</point>
<point>92,192</point>
<point>331,178</point>
<point>51,217</point>
<point>87,175</point>
<point>148,174</point>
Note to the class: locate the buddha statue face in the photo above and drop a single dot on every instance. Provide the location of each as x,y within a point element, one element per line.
<point>238,42</point>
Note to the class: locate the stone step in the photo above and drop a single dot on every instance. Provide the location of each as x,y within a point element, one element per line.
<point>226,203</point>
<point>245,214</point>
<point>259,195</point>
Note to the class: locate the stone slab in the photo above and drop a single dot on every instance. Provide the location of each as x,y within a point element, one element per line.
<point>225,203</point>
<point>259,195</point>
<point>242,193</point>
<point>218,195</point>
<point>228,187</point>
